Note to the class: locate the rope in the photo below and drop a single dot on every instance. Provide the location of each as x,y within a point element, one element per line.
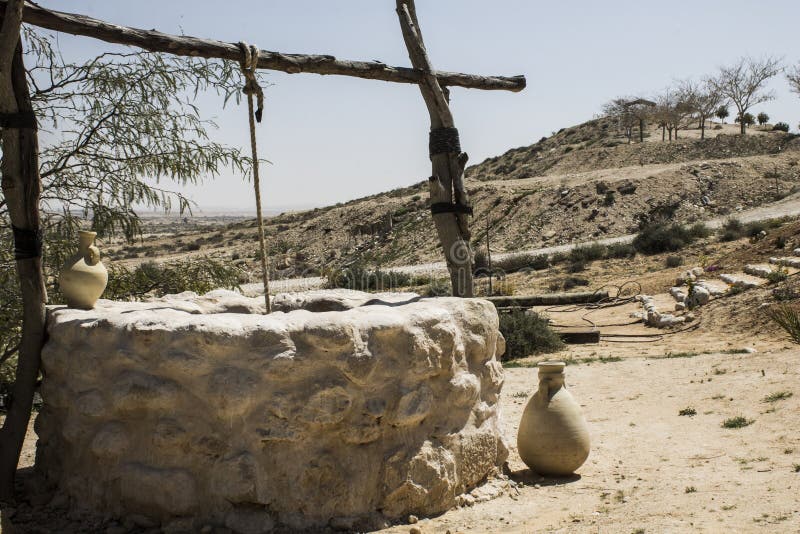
<point>248,64</point>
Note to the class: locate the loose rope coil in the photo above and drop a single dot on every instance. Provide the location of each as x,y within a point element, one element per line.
<point>248,64</point>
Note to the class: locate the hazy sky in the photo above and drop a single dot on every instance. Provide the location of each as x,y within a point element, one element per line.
<point>335,138</point>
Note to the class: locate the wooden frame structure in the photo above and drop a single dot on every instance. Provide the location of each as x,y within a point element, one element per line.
<point>21,182</point>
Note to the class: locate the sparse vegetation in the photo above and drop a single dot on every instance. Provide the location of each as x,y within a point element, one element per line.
<point>656,238</point>
<point>732,230</point>
<point>620,250</point>
<point>587,253</point>
<point>689,411</point>
<point>787,316</point>
<point>527,333</point>
<point>777,396</point>
<point>363,279</point>
<point>777,275</point>
<point>674,261</point>
<point>154,279</point>
<point>571,282</point>
<point>737,422</point>
<point>439,287</point>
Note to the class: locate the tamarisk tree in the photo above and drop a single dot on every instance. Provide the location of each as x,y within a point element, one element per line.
<point>116,131</point>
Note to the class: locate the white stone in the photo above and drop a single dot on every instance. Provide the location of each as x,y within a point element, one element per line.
<point>251,421</point>
<point>786,262</point>
<point>678,293</point>
<point>698,296</point>
<point>761,271</point>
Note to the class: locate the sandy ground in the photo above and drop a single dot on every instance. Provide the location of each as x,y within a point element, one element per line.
<point>652,470</point>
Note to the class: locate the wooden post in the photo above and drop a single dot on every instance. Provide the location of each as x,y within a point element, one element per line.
<point>22,187</point>
<point>184,45</point>
<point>449,200</point>
<point>489,252</point>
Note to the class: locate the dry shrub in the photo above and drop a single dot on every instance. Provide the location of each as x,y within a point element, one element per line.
<point>787,316</point>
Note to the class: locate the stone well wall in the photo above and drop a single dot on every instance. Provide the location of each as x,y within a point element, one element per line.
<point>176,409</point>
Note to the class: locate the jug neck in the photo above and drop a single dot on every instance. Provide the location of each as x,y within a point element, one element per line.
<point>85,239</point>
<point>551,376</point>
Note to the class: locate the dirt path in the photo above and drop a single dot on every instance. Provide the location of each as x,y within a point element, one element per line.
<point>652,470</point>
<point>787,207</point>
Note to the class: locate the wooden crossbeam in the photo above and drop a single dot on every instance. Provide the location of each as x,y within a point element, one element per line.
<point>155,41</point>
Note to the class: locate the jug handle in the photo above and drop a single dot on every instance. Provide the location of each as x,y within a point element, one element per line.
<point>544,392</point>
<point>92,256</point>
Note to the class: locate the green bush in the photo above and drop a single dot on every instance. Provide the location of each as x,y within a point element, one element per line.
<point>674,261</point>
<point>439,287</point>
<point>360,278</point>
<point>658,238</point>
<point>732,230</point>
<point>778,275</point>
<point>157,279</point>
<point>519,262</point>
<point>755,228</point>
<point>620,250</point>
<point>699,230</point>
<point>576,267</point>
<point>780,127</point>
<point>527,333</point>
<point>587,253</point>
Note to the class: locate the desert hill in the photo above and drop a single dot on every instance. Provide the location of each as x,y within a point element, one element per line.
<point>582,183</point>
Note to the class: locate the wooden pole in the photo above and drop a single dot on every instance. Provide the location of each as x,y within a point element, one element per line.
<point>156,41</point>
<point>21,187</point>
<point>446,183</point>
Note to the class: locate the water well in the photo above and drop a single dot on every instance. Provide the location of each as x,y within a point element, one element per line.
<point>202,408</point>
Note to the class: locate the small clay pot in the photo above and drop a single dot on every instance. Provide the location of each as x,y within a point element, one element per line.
<point>553,438</point>
<point>83,277</point>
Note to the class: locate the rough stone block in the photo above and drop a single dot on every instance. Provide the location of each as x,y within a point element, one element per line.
<point>199,407</point>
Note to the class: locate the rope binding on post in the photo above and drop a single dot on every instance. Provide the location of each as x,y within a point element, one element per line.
<point>27,243</point>
<point>443,141</point>
<point>248,64</point>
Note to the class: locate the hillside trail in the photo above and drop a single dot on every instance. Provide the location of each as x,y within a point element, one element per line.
<point>787,207</point>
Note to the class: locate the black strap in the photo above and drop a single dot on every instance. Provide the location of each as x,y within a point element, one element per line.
<point>446,207</point>
<point>23,119</point>
<point>443,141</point>
<point>27,243</point>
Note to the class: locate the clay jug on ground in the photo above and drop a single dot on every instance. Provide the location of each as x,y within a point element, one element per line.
<point>553,438</point>
<point>83,277</point>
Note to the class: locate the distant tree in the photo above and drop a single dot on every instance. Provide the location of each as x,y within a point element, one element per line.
<point>630,112</point>
<point>743,83</point>
<point>794,78</point>
<point>763,118</point>
<point>746,120</point>
<point>722,113</point>
<point>625,120</point>
<point>780,127</point>
<point>701,98</point>
<point>675,109</point>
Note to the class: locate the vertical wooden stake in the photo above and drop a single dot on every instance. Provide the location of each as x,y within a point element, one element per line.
<point>447,180</point>
<point>21,187</point>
